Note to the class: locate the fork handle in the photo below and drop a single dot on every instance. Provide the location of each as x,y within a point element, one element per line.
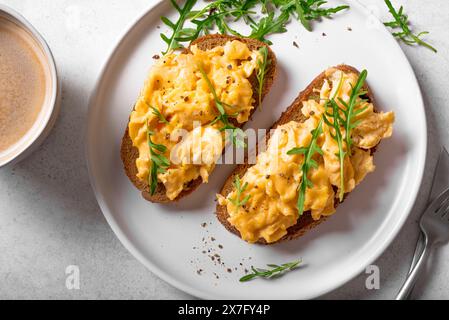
<point>409,283</point>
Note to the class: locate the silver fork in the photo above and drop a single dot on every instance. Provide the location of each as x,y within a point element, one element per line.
<point>435,228</point>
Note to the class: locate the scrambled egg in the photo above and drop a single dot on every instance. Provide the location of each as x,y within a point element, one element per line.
<point>274,180</point>
<point>177,89</point>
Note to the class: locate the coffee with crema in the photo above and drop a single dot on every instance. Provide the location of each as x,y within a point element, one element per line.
<point>22,83</point>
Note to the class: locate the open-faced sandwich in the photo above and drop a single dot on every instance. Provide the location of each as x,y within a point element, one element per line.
<point>176,131</point>
<point>319,150</point>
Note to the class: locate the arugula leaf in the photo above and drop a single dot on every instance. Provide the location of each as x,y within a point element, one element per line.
<point>308,10</point>
<point>156,112</point>
<point>221,14</point>
<point>177,26</point>
<point>159,163</point>
<point>302,16</point>
<point>262,72</point>
<point>237,134</point>
<point>337,136</point>
<point>203,26</point>
<point>238,137</point>
<point>247,5</point>
<point>240,189</point>
<point>350,111</point>
<point>268,25</point>
<point>308,164</point>
<point>401,22</point>
<point>217,14</point>
<point>275,271</point>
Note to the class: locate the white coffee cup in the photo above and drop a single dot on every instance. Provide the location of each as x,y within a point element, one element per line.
<point>50,108</point>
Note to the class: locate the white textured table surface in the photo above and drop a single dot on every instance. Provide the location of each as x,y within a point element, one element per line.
<point>49,217</point>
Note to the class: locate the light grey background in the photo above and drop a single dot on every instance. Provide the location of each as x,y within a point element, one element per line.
<point>49,218</point>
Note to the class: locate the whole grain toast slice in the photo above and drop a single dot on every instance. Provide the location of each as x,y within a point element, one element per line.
<point>129,153</point>
<point>293,112</point>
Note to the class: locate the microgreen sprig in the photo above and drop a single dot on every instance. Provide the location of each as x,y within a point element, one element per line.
<point>238,201</point>
<point>263,65</point>
<point>307,164</point>
<point>177,27</point>
<point>237,134</point>
<point>159,163</point>
<point>401,22</point>
<point>275,271</point>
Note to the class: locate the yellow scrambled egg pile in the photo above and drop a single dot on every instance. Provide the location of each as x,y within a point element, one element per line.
<point>177,89</point>
<point>273,181</point>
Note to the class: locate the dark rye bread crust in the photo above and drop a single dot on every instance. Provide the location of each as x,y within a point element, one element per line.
<point>293,112</point>
<point>129,153</point>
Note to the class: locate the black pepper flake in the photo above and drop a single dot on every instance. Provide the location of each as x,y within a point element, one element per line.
<point>267,176</point>
<point>229,67</point>
<point>199,271</point>
<point>323,34</point>
<point>204,224</point>
<point>295,44</point>
<point>156,57</point>
<point>229,270</point>
<point>220,246</point>
<point>349,29</point>
<point>212,238</point>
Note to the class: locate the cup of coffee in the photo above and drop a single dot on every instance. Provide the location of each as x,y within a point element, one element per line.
<point>29,87</point>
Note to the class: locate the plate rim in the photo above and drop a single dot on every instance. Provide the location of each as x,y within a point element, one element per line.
<point>126,242</point>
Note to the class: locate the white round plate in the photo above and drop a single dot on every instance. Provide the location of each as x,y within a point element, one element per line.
<point>168,239</point>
